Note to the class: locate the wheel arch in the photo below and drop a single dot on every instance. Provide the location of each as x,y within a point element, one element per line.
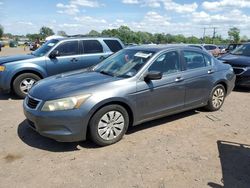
<point>23,72</point>
<point>121,102</point>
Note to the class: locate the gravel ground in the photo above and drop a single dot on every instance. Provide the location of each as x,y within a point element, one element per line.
<point>191,149</point>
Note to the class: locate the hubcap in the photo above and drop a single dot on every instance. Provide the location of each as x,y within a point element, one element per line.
<point>218,97</point>
<point>27,84</point>
<point>111,125</point>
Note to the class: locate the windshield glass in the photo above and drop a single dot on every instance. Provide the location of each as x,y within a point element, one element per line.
<point>242,50</point>
<point>45,48</point>
<point>125,63</point>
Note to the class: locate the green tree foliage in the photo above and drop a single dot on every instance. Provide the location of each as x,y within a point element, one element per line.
<point>128,36</point>
<point>45,32</point>
<point>33,37</point>
<point>62,33</point>
<point>234,34</point>
<point>1,31</point>
<point>94,33</point>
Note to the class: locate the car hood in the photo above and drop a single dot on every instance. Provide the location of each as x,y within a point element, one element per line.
<point>236,60</point>
<point>8,59</point>
<point>69,84</point>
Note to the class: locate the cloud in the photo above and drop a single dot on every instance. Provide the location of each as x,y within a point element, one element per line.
<point>168,5</point>
<point>130,1</point>
<point>26,23</point>
<point>225,4</point>
<point>74,5</point>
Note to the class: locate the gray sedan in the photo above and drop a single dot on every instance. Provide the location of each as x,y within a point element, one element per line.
<point>134,85</point>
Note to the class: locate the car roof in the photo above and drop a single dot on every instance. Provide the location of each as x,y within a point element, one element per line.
<point>160,47</point>
<point>86,38</point>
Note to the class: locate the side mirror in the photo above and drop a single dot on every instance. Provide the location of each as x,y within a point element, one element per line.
<point>153,75</point>
<point>54,54</point>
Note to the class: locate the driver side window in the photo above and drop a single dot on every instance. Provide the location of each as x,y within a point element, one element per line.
<point>68,48</point>
<point>167,63</point>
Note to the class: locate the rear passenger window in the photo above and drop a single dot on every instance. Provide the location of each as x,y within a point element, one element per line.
<point>68,48</point>
<point>113,45</point>
<point>194,60</point>
<point>92,46</point>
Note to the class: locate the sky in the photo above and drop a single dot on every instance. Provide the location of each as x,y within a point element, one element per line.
<point>185,17</point>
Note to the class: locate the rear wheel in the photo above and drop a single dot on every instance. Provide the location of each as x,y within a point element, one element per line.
<point>23,83</point>
<point>108,125</point>
<point>216,98</point>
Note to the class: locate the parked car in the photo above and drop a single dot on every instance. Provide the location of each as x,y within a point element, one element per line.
<point>213,49</point>
<point>56,56</point>
<point>134,85</point>
<point>239,59</point>
<point>13,44</point>
<point>199,46</point>
<point>230,48</point>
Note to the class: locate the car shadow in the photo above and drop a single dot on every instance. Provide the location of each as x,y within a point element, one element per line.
<point>235,165</point>
<point>33,139</point>
<point>161,121</point>
<point>10,96</point>
<point>242,89</point>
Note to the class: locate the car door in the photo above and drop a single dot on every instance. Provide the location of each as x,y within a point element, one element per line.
<point>161,97</point>
<point>198,77</point>
<point>67,59</point>
<point>92,53</point>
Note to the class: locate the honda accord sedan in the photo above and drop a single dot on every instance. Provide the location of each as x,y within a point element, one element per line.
<point>132,86</point>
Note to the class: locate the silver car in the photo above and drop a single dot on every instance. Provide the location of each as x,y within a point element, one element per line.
<point>134,85</point>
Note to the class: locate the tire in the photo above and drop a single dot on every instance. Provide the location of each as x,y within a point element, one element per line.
<point>20,83</point>
<point>105,126</point>
<point>216,98</point>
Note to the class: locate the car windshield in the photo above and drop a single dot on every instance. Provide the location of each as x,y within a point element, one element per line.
<point>242,50</point>
<point>125,63</point>
<point>45,48</point>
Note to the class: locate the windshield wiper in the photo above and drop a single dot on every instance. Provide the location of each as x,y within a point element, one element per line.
<point>106,73</point>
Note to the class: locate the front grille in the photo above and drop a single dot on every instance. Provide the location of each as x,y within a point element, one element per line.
<point>239,70</point>
<point>32,103</point>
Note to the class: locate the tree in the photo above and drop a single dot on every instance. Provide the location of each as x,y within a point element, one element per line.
<point>94,33</point>
<point>1,31</point>
<point>45,32</point>
<point>62,33</point>
<point>234,34</point>
<point>244,38</point>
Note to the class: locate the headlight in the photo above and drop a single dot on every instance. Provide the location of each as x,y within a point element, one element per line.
<point>2,68</point>
<point>65,103</point>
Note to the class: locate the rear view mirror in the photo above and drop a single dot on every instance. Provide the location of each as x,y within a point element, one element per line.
<point>153,75</point>
<point>54,54</point>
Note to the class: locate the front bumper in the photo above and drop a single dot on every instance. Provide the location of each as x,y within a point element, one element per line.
<point>243,81</point>
<point>4,82</point>
<point>62,126</point>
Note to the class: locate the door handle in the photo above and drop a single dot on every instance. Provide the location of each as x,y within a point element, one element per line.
<point>210,71</point>
<point>74,60</point>
<point>179,79</point>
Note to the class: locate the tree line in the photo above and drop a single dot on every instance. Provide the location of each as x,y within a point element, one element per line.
<point>129,36</point>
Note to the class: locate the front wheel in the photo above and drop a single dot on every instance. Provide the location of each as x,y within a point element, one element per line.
<point>108,125</point>
<point>23,83</point>
<point>216,98</point>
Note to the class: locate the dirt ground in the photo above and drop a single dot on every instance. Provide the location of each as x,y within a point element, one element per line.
<point>191,149</point>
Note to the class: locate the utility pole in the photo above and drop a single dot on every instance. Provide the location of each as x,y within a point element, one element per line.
<point>214,34</point>
<point>204,34</point>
